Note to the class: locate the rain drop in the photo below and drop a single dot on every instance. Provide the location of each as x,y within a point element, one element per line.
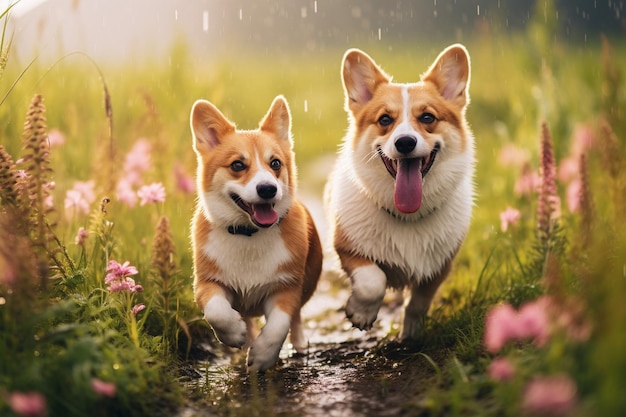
<point>205,21</point>
<point>379,34</point>
<point>240,14</point>
<point>306,106</point>
<point>315,6</point>
<point>478,10</point>
<point>176,14</point>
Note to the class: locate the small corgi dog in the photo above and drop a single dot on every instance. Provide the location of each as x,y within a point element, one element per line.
<point>256,249</point>
<point>401,193</point>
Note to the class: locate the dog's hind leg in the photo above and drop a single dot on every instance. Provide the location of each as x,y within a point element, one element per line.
<point>297,333</point>
<point>421,296</point>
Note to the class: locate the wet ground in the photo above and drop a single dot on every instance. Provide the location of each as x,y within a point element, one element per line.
<point>346,372</point>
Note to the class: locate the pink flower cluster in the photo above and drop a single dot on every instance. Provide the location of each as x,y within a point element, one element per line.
<point>137,162</point>
<point>505,324</point>
<point>31,404</point>
<point>509,217</point>
<point>105,389</point>
<point>80,197</point>
<point>550,395</point>
<point>153,193</point>
<point>118,277</point>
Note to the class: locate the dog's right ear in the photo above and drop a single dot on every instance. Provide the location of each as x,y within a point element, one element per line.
<point>361,77</point>
<point>208,126</point>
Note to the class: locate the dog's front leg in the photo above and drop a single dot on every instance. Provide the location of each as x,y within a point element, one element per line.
<point>228,325</point>
<point>369,283</point>
<point>279,310</point>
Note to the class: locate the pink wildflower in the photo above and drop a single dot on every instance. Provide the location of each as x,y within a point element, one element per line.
<point>106,389</point>
<point>117,270</point>
<point>583,140</point>
<point>573,195</point>
<point>81,236</point>
<point>510,216</point>
<point>533,321</point>
<point>549,204</point>
<point>28,403</point>
<point>500,327</point>
<point>137,308</point>
<point>138,158</point>
<point>75,203</point>
<point>501,369</point>
<point>55,138</point>
<point>504,324</point>
<point>184,182</point>
<point>118,277</point>
<point>153,193</point>
<point>512,155</point>
<point>552,395</point>
<point>125,193</point>
<point>86,188</point>
<point>528,183</point>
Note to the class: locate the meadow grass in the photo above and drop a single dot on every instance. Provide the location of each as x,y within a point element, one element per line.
<point>62,328</point>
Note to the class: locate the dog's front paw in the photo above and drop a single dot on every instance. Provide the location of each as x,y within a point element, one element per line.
<point>263,355</point>
<point>411,328</point>
<point>362,314</point>
<point>228,325</point>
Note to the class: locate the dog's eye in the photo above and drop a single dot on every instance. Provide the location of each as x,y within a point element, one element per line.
<point>385,120</point>
<point>427,118</point>
<point>275,164</point>
<point>237,166</point>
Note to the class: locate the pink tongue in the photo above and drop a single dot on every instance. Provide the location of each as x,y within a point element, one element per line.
<point>264,214</point>
<point>408,189</point>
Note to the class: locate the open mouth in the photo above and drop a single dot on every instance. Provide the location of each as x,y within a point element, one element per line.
<point>425,163</point>
<point>262,214</point>
<point>408,175</point>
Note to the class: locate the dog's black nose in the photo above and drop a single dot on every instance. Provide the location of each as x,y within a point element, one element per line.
<point>405,144</point>
<point>266,191</point>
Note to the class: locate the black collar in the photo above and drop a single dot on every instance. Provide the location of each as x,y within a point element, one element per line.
<point>242,230</point>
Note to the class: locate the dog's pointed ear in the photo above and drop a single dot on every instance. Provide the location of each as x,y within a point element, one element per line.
<point>361,76</point>
<point>450,73</point>
<point>208,126</point>
<point>278,120</point>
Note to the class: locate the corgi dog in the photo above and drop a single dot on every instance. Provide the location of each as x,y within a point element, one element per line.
<point>256,249</point>
<point>401,193</point>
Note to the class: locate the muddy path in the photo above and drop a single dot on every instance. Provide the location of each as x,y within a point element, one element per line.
<point>346,372</point>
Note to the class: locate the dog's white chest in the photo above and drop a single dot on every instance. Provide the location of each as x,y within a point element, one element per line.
<point>248,262</point>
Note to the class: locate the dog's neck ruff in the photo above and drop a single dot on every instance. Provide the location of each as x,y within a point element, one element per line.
<point>242,230</point>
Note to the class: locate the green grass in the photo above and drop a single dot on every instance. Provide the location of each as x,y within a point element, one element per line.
<point>61,335</point>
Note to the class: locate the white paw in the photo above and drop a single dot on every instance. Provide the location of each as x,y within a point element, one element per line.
<point>263,354</point>
<point>362,314</point>
<point>368,289</point>
<point>228,325</point>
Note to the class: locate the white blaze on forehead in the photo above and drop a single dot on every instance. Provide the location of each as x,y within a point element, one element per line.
<point>405,128</point>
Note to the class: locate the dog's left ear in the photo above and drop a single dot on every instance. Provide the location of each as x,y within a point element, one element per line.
<point>450,73</point>
<point>277,121</point>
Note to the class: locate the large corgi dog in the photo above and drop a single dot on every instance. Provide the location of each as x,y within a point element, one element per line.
<point>401,192</point>
<point>256,248</point>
